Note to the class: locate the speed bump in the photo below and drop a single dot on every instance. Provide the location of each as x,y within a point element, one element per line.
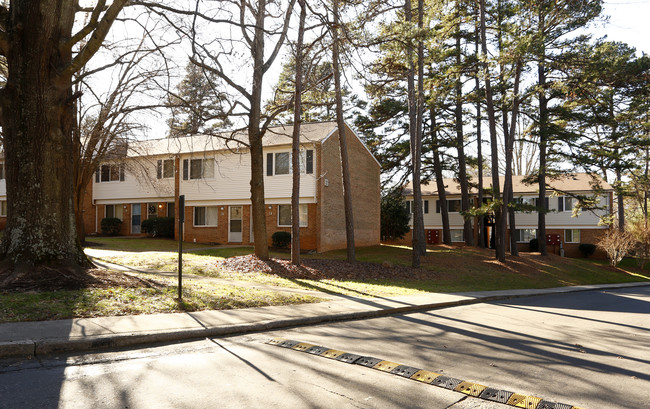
<point>496,395</point>
<point>553,405</point>
<point>368,361</point>
<point>332,353</point>
<point>446,382</point>
<point>470,388</point>
<point>348,358</point>
<point>424,376</point>
<point>405,371</point>
<point>302,346</point>
<point>386,366</point>
<point>316,350</point>
<point>524,401</point>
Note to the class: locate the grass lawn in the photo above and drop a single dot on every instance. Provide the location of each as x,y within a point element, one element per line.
<point>197,296</point>
<point>456,269</point>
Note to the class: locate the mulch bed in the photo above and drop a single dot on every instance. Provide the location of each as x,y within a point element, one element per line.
<point>50,279</point>
<point>319,269</point>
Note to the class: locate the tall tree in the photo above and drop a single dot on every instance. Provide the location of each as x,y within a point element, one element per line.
<point>197,105</point>
<point>295,140</point>
<point>250,20</point>
<point>37,103</point>
<point>553,22</point>
<point>343,145</point>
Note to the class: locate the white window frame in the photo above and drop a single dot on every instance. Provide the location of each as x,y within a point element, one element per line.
<point>527,235</point>
<point>163,166</point>
<point>302,162</point>
<point>3,208</point>
<point>573,238</point>
<point>454,233</point>
<point>216,210</point>
<point>570,199</point>
<point>120,173</point>
<point>2,170</point>
<point>205,172</point>
<point>304,215</point>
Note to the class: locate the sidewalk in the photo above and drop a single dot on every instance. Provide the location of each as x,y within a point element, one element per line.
<point>28,339</point>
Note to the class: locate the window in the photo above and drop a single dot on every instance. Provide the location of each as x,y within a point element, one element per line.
<point>2,170</point>
<point>165,169</point>
<point>113,211</point>
<point>566,203</point>
<point>525,235</point>
<point>198,168</point>
<point>457,235</point>
<point>284,215</point>
<point>425,206</point>
<point>206,216</point>
<point>453,205</point>
<point>3,208</point>
<point>109,173</point>
<point>279,163</point>
<point>282,163</point>
<point>171,209</point>
<point>572,236</point>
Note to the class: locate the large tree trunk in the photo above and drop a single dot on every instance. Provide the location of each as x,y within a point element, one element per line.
<point>255,138</point>
<point>499,241</point>
<point>460,139</point>
<point>295,145</point>
<point>543,141</point>
<point>440,183</point>
<point>420,244</point>
<point>345,165</point>
<point>37,119</point>
<point>418,222</point>
<point>479,142</point>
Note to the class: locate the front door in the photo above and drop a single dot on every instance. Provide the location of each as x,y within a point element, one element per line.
<point>235,224</point>
<point>136,213</point>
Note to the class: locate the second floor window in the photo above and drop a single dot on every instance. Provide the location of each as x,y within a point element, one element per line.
<point>198,169</point>
<point>279,163</point>
<point>165,169</point>
<point>109,173</point>
<point>453,206</point>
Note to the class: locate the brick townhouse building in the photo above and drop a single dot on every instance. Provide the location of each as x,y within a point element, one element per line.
<point>564,229</point>
<point>214,175</point>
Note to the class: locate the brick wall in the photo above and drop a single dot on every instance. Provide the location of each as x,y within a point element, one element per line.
<point>365,195</point>
<point>570,249</point>
<point>219,234</point>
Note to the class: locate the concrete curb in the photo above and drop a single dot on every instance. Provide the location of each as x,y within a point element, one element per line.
<point>31,348</point>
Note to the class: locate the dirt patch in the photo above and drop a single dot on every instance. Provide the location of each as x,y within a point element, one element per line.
<point>325,269</point>
<point>50,279</point>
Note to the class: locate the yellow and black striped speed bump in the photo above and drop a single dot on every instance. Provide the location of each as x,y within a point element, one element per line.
<point>421,375</point>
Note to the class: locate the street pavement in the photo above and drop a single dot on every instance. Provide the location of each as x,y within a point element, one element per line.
<point>586,347</point>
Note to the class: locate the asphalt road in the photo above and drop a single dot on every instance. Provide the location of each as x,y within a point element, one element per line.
<point>591,350</point>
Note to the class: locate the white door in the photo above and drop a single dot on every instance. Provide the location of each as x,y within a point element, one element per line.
<point>235,224</point>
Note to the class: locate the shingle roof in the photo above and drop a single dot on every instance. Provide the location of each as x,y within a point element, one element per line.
<point>572,182</point>
<point>275,136</point>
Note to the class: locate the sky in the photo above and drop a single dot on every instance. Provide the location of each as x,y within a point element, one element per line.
<point>628,23</point>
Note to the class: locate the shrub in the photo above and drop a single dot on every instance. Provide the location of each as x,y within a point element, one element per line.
<point>394,217</point>
<point>616,244</point>
<point>587,249</point>
<point>159,227</point>
<point>533,245</point>
<point>641,232</point>
<point>281,239</point>
<point>111,226</point>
